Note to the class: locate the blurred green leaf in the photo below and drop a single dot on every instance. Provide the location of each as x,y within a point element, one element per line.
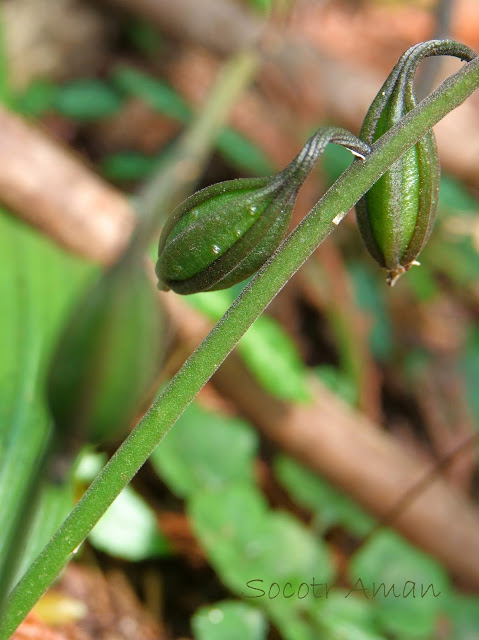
<point>263,6</point>
<point>330,507</point>
<point>370,298</point>
<point>267,350</point>
<point>345,617</point>
<point>55,503</point>
<point>213,303</point>
<point>87,99</point>
<point>143,36</point>
<point>422,283</point>
<point>454,197</point>
<point>129,166</point>
<point>243,154</point>
<point>37,282</point>
<point>39,97</point>
<point>246,544</point>
<point>205,450</point>
<point>153,91</point>
<point>339,382</point>
<point>463,612</point>
<point>229,620</point>
<point>129,528</point>
<point>274,361</point>
<point>455,257</point>
<point>387,564</point>
<point>232,526</point>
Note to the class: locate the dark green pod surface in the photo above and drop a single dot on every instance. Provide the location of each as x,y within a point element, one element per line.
<point>396,215</point>
<point>108,358</point>
<point>223,234</point>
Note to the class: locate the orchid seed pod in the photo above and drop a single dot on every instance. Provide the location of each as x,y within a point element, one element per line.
<point>109,356</point>
<point>396,215</point>
<point>223,234</point>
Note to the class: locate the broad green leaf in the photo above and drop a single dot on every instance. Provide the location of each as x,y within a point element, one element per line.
<point>409,589</point>
<point>37,98</point>
<point>266,557</point>
<point>38,281</point>
<point>231,620</point>
<point>129,528</point>
<point>274,360</point>
<point>422,283</point>
<point>345,617</point>
<point>212,303</point>
<point>267,350</point>
<point>330,507</point>
<point>454,256</point>
<point>296,554</point>
<point>262,6</point>
<point>55,503</point>
<point>232,525</point>
<point>205,450</point>
<point>87,99</point>
<point>454,197</point>
<point>463,614</point>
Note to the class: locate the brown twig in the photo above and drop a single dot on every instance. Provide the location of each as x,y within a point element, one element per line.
<point>70,204</point>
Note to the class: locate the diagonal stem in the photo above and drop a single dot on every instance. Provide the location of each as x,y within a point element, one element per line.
<point>202,364</point>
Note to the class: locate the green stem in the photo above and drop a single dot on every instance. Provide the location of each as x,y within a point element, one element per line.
<point>213,350</point>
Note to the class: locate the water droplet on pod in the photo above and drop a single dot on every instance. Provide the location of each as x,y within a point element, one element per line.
<point>215,249</point>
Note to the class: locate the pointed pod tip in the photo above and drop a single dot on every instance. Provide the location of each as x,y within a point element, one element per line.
<point>394,274</point>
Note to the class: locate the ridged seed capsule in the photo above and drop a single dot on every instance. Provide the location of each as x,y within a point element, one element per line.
<point>223,234</point>
<point>109,356</point>
<point>396,215</point>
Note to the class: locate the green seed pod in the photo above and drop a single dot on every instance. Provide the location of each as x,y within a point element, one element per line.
<point>396,215</point>
<point>223,234</point>
<point>108,358</point>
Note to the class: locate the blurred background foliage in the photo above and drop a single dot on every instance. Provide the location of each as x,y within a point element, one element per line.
<point>219,504</point>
